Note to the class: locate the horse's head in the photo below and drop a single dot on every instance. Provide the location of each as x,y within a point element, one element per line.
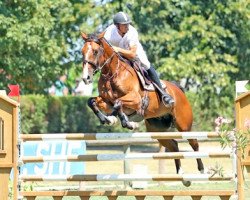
<point>92,52</point>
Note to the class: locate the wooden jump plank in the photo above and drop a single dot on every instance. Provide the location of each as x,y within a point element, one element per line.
<point>245,162</point>
<point>115,193</point>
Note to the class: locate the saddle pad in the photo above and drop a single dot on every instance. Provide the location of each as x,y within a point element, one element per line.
<point>149,87</point>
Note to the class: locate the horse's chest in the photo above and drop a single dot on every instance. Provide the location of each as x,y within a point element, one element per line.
<point>110,91</point>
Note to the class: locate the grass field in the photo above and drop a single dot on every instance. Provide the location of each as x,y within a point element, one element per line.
<point>116,167</point>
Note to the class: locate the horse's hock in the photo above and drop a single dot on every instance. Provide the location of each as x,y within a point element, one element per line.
<point>8,134</point>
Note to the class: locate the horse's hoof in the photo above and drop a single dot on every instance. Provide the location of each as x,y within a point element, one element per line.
<point>186,183</point>
<point>130,125</point>
<point>205,171</point>
<point>134,125</point>
<point>111,120</point>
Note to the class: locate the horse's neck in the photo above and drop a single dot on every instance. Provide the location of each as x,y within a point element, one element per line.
<point>111,58</point>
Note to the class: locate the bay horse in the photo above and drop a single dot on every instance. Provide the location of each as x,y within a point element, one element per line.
<point>121,94</point>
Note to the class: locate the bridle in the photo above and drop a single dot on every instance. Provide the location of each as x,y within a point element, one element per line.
<point>97,66</point>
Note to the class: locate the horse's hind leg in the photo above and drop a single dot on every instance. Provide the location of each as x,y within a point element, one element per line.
<point>172,146</point>
<point>184,123</point>
<point>161,125</point>
<point>194,144</point>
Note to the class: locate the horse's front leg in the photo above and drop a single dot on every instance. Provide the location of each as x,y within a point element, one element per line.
<point>97,104</point>
<point>123,117</point>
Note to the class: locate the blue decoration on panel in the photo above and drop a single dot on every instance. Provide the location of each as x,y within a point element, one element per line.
<point>53,148</point>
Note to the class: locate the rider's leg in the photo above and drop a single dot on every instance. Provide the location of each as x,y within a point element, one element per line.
<point>166,98</point>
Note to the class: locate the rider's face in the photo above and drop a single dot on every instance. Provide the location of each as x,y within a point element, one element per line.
<point>123,28</point>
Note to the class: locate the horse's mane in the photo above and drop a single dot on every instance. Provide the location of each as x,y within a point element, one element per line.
<point>93,37</point>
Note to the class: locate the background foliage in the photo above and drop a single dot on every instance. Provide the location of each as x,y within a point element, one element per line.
<point>38,39</point>
<point>43,114</point>
<point>202,44</point>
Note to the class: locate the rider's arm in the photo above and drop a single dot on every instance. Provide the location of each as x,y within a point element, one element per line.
<point>129,54</point>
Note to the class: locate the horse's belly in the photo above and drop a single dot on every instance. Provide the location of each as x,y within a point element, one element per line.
<point>134,117</point>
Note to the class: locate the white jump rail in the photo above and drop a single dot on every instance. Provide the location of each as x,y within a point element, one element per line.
<point>115,136</point>
<point>131,156</point>
<point>126,177</point>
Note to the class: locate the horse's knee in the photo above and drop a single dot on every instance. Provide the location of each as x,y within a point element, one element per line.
<point>117,105</point>
<point>91,102</point>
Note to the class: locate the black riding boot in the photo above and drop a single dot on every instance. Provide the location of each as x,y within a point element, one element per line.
<point>166,98</point>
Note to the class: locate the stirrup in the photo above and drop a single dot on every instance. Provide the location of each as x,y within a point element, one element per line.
<point>167,100</point>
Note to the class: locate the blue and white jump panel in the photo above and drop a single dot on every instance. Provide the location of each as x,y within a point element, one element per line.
<point>52,149</point>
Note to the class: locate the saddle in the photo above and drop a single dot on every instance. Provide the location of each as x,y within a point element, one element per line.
<point>142,74</point>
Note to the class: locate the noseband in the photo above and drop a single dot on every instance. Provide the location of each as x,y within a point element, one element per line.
<point>91,63</point>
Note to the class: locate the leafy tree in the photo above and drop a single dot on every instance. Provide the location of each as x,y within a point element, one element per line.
<point>37,39</point>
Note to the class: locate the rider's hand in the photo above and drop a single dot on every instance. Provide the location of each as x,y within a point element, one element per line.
<point>116,49</point>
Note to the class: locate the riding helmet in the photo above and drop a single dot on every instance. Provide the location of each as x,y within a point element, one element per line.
<point>121,18</point>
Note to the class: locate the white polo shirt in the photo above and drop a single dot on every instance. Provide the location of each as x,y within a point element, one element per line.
<point>129,39</point>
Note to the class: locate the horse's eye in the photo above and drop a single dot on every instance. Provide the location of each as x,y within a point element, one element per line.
<point>95,52</point>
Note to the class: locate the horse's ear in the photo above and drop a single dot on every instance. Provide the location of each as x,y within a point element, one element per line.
<point>84,36</point>
<point>101,35</point>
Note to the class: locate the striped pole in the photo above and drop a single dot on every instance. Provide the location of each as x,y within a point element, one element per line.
<point>126,177</point>
<point>115,136</point>
<point>132,156</point>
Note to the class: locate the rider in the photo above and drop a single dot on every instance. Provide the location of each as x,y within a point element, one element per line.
<point>124,39</point>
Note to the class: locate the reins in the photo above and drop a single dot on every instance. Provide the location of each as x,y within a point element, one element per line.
<point>97,65</point>
<point>106,62</point>
<point>106,76</point>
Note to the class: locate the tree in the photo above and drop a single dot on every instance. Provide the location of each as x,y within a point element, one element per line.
<point>37,40</point>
